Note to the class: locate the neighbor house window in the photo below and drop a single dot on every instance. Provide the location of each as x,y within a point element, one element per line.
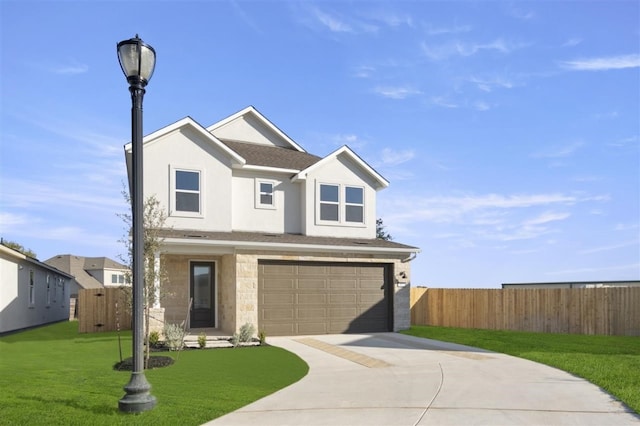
<point>187,191</point>
<point>265,194</point>
<point>32,290</point>
<point>117,279</point>
<point>329,202</point>
<point>48,290</point>
<point>341,204</point>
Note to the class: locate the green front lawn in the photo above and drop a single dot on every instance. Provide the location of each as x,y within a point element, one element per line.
<point>611,362</point>
<point>53,375</point>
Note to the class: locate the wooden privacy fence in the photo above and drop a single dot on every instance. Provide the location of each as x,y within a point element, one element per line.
<point>101,309</point>
<point>609,311</point>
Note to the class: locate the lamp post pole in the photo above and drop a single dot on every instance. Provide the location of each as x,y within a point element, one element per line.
<point>137,60</point>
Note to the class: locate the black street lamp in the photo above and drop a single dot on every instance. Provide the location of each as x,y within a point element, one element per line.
<point>137,60</point>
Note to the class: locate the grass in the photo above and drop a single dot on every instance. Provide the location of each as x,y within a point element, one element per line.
<point>611,362</point>
<point>53,375</point>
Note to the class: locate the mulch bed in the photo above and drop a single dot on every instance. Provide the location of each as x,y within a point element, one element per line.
<point>154,362</point>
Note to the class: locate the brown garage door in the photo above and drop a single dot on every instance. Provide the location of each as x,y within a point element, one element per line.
<point>297,298</point>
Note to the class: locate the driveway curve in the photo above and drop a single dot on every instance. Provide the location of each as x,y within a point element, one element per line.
<point>394,379</point>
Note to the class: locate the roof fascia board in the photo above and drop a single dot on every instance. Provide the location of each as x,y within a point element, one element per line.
<point>252,110</point>
<point>266,169</point>
<point>285,246</point>
<point>382,182</point>
<point>14,253</point>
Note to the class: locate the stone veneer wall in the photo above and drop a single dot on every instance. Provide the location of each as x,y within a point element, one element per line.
<point>175,294</point>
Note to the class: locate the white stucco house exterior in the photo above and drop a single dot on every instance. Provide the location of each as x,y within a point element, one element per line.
<point>32,293</point>
<point>260,231</point>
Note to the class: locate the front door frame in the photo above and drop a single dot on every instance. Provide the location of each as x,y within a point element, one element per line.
<point>212,323</point>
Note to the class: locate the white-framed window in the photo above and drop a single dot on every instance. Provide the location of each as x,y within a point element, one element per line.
<point>329,202</point>
<point>265,194</point>
<point>340,204</point>
<point>32,290</point>
<point>354,204</point>
<point>117,279</point>
<point>186,192</point>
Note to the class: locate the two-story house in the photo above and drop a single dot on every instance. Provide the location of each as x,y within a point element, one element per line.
<point>260,231</point>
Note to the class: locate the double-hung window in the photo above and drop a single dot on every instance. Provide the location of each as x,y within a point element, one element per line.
<point>265,194</point>
<point>354,204</point>
<point>187,187</point>
<point>341,204</point>
<point>330,202</point>
<point>32,289</point>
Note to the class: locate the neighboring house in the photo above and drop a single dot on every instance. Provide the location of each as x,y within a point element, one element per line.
<point>574,284</point>
<point>32,293</point>
<point>259,231</point>
<point>88,273</point>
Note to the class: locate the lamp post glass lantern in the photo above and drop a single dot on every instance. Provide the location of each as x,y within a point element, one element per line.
<point>137,60</point>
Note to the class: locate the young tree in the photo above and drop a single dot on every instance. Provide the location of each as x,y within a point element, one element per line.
<point>380,232</point>
<point>154,220</point>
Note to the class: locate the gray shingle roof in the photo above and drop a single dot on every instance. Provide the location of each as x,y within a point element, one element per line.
<point>272,156</point>
<point>288,239</point>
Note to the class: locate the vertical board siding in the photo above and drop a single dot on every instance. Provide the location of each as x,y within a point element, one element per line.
<point>607,311</point>
<point>97,310</point>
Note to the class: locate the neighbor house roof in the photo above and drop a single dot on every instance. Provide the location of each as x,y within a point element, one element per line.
<point>266,241</point>
<point>79,266</point>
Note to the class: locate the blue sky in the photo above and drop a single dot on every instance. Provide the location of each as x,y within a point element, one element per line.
<point>509,131</point>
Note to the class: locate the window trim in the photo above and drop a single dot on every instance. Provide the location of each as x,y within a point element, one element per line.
<point>342,205</point>
<point>173,211</point>
<point>258,194</point>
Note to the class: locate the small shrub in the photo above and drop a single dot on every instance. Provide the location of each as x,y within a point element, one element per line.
<point>262,337</point>
<point>174,335</point>
<point>202,340</point>
<point>154,338</point>
<point>244,335</point>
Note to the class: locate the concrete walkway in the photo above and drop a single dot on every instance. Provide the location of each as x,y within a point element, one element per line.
<point>393,379</point>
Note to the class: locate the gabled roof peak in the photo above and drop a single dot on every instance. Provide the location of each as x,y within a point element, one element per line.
<point>221,129</point>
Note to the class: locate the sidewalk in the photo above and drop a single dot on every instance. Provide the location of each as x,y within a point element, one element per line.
<point>393,379</point>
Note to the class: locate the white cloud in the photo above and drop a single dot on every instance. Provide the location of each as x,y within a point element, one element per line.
<point>481,106</point>
<point>392,157</point>
<point>364,71</point>
<point>611,247</point>
<point>489,84</point>
<point>465,49</point>
<point>603,63</point>
<point>560,152</point>
<point>455,29</point>
<point>332,23</point>
<point>443,101</point>
<point>546,218</point>
<point>572,42</point>
<point>71,69</point>
<point>396,92</point>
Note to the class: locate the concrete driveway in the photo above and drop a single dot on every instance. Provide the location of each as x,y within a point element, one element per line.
<point>393,379</point>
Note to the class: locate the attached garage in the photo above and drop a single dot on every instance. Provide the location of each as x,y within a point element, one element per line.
<point>300,298</point>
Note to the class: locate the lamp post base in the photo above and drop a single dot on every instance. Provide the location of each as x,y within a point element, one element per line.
<point>137,398</point>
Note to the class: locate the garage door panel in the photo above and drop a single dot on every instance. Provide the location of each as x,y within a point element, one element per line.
<point>311,284</point>
<point>278,313</point>
<point>342,284</point>
<point>303,298</point>
<point>311,314</point>
<point>305,270</point>
<point>343,298</point>
<point>277,298</point>
<point>312,298</point>
<point>279,284</point>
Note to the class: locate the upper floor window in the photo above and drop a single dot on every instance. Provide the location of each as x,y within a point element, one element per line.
<point>265,194</point>
<point>329,202</point>
<point>186,196</point>
<point>187,191</point>
<point>341,204</point>
<point>354,204</point>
